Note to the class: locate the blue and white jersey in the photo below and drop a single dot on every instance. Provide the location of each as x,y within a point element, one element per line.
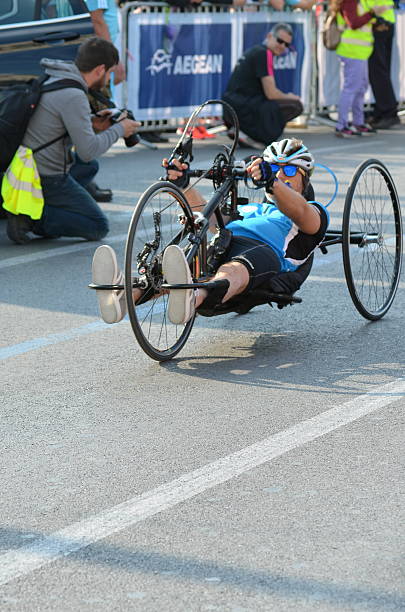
<point>266,223</point>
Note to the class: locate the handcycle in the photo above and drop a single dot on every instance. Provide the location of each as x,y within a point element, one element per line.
<point>371,239</point>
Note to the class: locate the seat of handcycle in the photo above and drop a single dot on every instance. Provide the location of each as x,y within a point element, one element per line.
<point>279,290</point>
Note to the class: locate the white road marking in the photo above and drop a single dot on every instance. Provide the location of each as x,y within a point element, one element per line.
<point>350,145</point>
<point>57,251</point>
<point>341,280</point>
<point>28,558</point>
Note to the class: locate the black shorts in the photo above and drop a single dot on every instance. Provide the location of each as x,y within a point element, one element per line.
<point>260,260</point>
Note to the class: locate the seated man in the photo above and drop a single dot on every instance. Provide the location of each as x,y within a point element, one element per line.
<point>279,235</point>
<point>262,108</point>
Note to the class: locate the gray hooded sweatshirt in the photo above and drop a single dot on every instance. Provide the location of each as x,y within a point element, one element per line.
<point>65,110</point>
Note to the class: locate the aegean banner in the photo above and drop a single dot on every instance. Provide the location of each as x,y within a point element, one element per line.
<point>175,61</point>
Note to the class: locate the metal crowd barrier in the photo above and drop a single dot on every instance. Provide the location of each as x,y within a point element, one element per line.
<point>160,9</point>
<point>322,67</point>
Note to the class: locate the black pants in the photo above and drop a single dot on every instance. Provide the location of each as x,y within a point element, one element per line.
<point>260,118</point>
<point>379,70</point>
<point>290,109</point>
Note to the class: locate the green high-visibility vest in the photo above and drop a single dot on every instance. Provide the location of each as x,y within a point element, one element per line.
<point>389,14</point>
<point>21,187</point>
<point>356,44</point>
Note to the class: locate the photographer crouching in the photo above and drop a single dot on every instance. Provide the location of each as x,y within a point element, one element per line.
<point>63,119</point>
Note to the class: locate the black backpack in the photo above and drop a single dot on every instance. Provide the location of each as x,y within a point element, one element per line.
<point>17,105</point>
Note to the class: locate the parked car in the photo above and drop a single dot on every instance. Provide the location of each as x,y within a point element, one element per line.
<point>33,29</point>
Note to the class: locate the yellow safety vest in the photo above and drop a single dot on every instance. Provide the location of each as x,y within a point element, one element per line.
<point>389,14</point>
<point>21,187</point>
<point>356,44</point>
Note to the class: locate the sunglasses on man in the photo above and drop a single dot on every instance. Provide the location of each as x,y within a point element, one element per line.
<point>283,42</point>
<point>288,170</point>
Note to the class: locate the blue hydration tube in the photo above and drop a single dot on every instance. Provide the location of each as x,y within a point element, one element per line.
<point>334,178</point>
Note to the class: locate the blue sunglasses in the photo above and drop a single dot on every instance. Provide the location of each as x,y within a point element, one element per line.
<point>288,170</point>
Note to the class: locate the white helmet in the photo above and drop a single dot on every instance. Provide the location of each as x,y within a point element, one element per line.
<point>285,151</point>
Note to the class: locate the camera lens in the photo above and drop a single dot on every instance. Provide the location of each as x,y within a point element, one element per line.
<point>132,140</point>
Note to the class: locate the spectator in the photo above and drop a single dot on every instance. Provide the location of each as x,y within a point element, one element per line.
<point>354,49</point>
<point>280,5</point>
<point>104,17</point>
<point>262,108</point>
<point>379,66</point>
<point>65,117</point>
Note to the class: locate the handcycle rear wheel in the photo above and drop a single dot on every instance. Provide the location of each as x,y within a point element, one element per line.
<point>162,217</point>
<point>372,239</point>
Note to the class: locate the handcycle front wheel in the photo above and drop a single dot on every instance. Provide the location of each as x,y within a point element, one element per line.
<point>372,239</point>
<point>161,217</point>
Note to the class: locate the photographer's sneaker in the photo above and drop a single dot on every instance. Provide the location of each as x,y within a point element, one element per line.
<point>112,304</point>
<point>176,271</point>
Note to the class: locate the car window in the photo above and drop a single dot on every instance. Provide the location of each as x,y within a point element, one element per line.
<point>53,9</point>
<point>8,8</point>
<point>20,11</point>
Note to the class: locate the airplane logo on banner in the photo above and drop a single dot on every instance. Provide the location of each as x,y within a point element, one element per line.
<point>185,64</point>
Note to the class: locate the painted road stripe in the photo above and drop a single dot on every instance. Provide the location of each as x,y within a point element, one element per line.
<point>337,149</point>
<point>37,343</point>
<point>58,251</point>
<point>16,563</point>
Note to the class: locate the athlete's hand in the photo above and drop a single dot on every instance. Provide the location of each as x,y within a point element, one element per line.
<point>172,173</point>
<point>254,169</point>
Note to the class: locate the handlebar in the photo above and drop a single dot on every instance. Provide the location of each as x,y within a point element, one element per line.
<point>228,171</point>
<point>217,174</point>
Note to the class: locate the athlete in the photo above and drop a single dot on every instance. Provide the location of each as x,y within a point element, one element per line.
<point>271,245</point>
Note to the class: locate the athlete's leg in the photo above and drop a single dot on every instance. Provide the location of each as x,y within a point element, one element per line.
<point>237,276</point>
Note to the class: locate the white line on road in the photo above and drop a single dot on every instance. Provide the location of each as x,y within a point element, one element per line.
<point>37,343</point>
<point>16,563</point>
<point>337,149</point>
<point>58,251</point>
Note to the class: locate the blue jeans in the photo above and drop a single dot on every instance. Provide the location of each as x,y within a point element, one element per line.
<point>69,209</point>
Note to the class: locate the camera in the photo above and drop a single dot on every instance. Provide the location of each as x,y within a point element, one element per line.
<point>118,115</point>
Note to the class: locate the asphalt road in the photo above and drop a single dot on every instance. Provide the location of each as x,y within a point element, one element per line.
<point>260,470</point>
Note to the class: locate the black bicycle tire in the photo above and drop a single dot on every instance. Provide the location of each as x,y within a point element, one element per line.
<point>147,347</point>
<point>366,312</point>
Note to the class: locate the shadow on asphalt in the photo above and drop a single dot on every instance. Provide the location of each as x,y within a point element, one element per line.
<point>195,570</point>
<point>283,360</point>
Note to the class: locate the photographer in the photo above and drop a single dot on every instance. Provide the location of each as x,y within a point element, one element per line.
<point>65,116</point>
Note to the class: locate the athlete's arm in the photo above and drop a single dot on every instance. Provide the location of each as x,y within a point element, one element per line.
<point>289,200</point>
<point>295,206</point>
